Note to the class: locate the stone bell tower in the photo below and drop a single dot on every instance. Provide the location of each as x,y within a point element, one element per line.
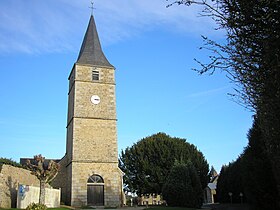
<point>91,160</point>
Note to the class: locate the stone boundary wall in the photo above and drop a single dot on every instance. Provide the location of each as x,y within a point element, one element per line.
<point>30,194</point>
<point>60,181</point>
<point>10,178</point>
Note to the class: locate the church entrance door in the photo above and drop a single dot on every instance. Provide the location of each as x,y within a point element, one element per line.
<point>95,191</point>
<point>95,195</point>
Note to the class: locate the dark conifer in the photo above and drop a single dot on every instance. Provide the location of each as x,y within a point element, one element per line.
<point>182,187</point>
<point>147,163</point>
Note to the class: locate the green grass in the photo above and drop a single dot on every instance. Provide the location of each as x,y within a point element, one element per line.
<point>168,208</point>
<point>149,208</point>
<point>86,207</point>
<point>61,208</point>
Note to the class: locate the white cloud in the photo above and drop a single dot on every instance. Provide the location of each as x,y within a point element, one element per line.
<point>209,92</point>
<point>33,26</point>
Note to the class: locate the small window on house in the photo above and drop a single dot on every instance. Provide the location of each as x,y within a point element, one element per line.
<point>95,75</point>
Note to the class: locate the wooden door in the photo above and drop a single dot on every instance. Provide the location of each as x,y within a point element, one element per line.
<point>95,195</point>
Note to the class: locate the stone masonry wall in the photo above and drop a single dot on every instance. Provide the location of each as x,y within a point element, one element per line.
<point>106,109</point>
<point>31,194</point>
<point>91,129</point>
<point>10,177</point>
<point>92,135</point>
<point>84,88</point>
<point>95,140</point>
<point>60,181</point>
<point>112,182</point>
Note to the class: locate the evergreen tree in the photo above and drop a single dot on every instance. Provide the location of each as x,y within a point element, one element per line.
<point>259,182</point>
<point>251,174</point>
<point>213,173</point>
<point>223,186</point>
<point>148,162</point>
<point>182,187</point>
<point>231,182</point>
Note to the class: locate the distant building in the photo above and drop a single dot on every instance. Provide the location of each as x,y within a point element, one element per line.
<point>210,194</point>
<point>150,199</point>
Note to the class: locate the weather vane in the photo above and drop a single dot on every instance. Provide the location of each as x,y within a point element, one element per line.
<point>92,8</point>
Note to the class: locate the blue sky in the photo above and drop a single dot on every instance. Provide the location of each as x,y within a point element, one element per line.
<point>153,49</point>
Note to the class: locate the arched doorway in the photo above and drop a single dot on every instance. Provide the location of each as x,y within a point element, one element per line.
<point>95,191</point>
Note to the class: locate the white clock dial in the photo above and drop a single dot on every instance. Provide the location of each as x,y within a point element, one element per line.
<point>95,99</point>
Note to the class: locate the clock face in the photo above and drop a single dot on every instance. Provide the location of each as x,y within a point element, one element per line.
<point>95,99</point>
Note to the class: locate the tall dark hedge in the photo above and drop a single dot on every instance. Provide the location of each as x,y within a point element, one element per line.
<point>182,187</point>
<point>259,181</point>
<point>251,174</point>
<point>250,58</point>
<point>231,181</point>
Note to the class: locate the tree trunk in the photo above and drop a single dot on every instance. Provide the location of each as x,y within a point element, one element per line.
<point>42,192</point>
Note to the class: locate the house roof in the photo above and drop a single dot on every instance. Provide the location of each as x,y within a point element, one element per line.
<point>91,52</point>
<point>214,179</point>
<point>212,186</point>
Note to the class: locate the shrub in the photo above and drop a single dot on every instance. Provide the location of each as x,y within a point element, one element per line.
<point>36,206</point>
<point>10,162</point>
<point>183,187</point>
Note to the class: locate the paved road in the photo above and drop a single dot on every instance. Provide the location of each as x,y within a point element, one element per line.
<point>228,207</point>
<point>206,207</point>
<point>121,208</point>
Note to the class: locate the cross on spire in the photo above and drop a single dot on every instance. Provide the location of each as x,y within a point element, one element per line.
<point>92,8</point>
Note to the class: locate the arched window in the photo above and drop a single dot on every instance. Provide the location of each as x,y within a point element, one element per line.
<point>95,190</point>
<point>95,179</point>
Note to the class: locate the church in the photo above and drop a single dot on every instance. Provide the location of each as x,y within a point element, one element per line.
<point>89,173</point>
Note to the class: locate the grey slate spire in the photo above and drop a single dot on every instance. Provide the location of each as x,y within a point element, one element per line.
<point>91,52</point>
